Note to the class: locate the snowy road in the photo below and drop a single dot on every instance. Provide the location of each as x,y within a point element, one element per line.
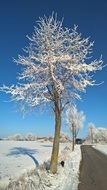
<point>93,175</point>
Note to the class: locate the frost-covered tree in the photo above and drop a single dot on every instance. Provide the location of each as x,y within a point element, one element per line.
<point>97,135</point>
<point>75,120</point>
<point>31,137</point>
<point>56,69</point>
<point>16,137</point>
<point>100,135</point>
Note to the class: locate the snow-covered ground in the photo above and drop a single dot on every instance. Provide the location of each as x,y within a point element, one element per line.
<point>18,156</point>
<point>18,160</point>
<point>101,148</point>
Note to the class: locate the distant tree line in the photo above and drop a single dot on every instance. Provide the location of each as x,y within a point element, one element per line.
<point>32,137</point>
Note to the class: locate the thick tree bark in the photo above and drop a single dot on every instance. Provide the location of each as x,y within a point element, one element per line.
<point>55,150</point>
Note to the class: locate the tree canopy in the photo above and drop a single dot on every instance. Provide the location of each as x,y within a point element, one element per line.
<point>57,60</point>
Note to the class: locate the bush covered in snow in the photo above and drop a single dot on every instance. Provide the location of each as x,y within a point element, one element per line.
<point>16,137</point>
<point>31,137</point>
<point>64,138</point>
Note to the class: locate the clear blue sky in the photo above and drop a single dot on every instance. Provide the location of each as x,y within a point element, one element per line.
<point>17,19</point>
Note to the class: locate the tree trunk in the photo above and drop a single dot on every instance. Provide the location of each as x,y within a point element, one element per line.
<point>55,150</point>
<point>73,143</point>
<point>73,137</point>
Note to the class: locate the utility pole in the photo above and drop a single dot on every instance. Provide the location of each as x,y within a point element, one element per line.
<point>91,134</point>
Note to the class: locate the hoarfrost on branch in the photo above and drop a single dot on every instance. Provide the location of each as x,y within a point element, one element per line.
<point>57,60</point>
<point>75,120</point>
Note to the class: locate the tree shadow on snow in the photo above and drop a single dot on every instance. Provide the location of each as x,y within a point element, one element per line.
<point>46,145</point>
<point>18,151</point>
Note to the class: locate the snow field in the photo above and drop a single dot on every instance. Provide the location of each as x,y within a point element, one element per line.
<point>17,166</point>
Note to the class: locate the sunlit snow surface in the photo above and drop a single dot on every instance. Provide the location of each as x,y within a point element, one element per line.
<point>20,158</point>
<point>15,156</point>
<point>101,148</point>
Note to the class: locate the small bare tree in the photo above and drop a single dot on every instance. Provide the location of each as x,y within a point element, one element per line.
<point>75,120</point>
<point>55,69</point>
